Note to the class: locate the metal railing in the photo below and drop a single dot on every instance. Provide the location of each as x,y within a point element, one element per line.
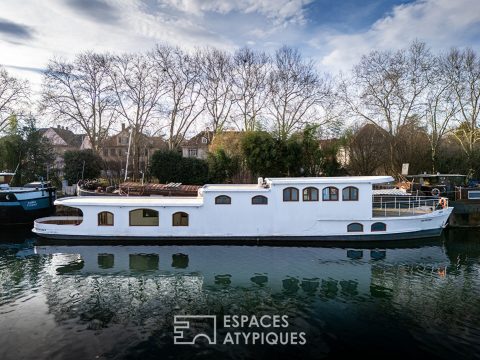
<point>408,205</point>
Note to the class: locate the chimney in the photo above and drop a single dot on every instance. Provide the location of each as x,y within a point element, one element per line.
<point>123,126</point>
<point>59,127</point>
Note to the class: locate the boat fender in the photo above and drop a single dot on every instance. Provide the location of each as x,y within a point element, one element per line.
<point>443,203</point>
<point>435,192</point>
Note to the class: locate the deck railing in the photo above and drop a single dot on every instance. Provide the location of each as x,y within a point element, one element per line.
<point>391,205</point>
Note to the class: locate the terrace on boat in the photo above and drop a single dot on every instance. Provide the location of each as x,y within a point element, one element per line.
<point>406,205</point>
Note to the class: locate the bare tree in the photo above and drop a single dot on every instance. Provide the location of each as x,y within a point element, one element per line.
<point>250,85</point>
<point>216,86</point>
<point>463,71</point>
<point>14,95</point>
<point>366,149</point>
<point>386,88</point>
<point>138,88</point>
<point>80,93</point>
<point>296,92</point>
<point>182,83</point>
<point>441,107</point>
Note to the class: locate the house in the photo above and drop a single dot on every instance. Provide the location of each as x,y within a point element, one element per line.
<point>62,140</point>
<point>197,146</point>
<point>114,150</point>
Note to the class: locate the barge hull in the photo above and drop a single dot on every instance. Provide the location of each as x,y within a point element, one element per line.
<point>249,239</point>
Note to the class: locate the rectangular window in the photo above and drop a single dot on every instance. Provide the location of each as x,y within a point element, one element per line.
<point>473,194</point>
<point>192,152</point>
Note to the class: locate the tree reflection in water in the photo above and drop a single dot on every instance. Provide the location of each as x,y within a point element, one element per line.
<point>426,296</point>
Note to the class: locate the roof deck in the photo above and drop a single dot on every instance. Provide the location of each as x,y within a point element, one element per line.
<point>234,187</point>
<point>129,201</point>
<point>331,180</point>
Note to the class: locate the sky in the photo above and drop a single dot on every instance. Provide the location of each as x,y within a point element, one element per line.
<point>335,33</point>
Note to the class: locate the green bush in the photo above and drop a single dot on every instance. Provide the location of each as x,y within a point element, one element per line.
<point>75,169</point>
<point>170,166</point>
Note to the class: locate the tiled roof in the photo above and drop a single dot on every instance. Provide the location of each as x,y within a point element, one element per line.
<point>197,139</point>
<point>72,140</point>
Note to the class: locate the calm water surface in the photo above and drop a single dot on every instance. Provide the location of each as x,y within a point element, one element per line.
<point>419,299</point>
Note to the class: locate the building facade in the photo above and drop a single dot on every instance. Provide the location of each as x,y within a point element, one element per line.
<point>197,146</point>
<point>62,139</point>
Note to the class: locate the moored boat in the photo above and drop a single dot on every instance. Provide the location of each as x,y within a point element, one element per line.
<point>304,209</point>
<point>22,205</point>
<point>463,196</point>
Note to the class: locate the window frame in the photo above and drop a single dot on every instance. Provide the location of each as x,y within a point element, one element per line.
<point>378,222</point>
<point>309,189</point>
<point>180,213</point>
<point>217,201</point>
<point>329,188</point>
<point>290,190</point>
<point>143,216</point>
<point>260,197</point>
<point>349,188</point>
<point>106,213</point>
<point>355,231</point>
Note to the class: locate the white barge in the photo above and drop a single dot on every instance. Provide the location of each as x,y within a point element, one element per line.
<point>304,209</point>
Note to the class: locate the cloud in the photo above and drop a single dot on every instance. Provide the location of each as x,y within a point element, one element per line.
<point>35,70</point>
<point>440,23</point>
<point>281,11</point>
<point>97,10</point>
<point>16,30</point>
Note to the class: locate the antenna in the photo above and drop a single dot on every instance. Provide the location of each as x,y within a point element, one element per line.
<point>128,154</point>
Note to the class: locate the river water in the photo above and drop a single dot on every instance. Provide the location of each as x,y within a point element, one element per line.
<point>412,299</point>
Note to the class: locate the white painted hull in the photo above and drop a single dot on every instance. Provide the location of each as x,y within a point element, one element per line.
<point>406,227</point>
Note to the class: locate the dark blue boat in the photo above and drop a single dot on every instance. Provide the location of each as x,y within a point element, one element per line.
<point>22,205</point>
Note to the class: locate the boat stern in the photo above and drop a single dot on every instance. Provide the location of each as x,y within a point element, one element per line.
<point>56,225</point>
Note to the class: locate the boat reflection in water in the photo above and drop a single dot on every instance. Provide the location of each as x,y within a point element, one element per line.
<point>119,301</point>
<point>197,270</point>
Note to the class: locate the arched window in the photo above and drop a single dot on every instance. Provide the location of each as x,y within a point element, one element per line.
<point>330,194</point>
<point>355,227</point>
<point>143,217</point>
<point>378,226</point>
<point>290,194</point>
<point>310,194</point>
<point>350,193</point>
<point>105,218</point>
<point>180,219</point>
<point>223,200</point>
<point>259,200</point>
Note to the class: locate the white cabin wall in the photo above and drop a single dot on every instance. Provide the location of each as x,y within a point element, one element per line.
<point>303,216</point>
<point>241,217</point>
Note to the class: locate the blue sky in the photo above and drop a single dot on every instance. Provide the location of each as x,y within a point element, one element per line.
<point>334,33</point>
